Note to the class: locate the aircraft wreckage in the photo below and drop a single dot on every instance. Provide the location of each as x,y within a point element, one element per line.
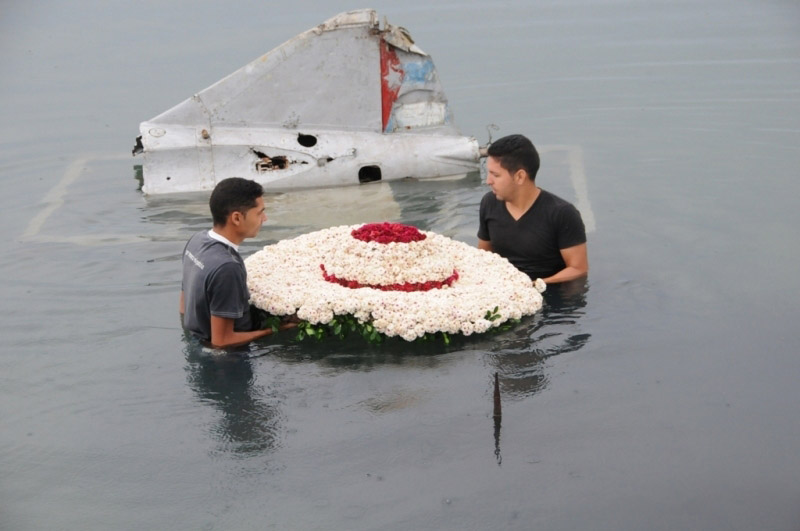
<point>344,103</point>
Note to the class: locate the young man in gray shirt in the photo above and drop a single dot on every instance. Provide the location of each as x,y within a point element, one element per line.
<point>215,301</point>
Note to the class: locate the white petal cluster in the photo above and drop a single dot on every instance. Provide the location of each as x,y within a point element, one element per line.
<point>286,278</point>
<point>540,285</point>
<point>389,263</point>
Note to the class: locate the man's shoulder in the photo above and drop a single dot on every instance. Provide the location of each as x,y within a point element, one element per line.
<point>553,198</point>
<point>556,203</point>
<point>566,217</point>
<point>198,239</point>
<point>212,251</point>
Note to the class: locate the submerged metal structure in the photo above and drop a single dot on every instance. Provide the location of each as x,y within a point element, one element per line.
<point>344,103</point>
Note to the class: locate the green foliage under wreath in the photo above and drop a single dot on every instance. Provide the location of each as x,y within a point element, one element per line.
<point>342,326</point>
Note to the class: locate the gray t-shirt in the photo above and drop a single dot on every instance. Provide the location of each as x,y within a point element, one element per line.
<point>214,283</point>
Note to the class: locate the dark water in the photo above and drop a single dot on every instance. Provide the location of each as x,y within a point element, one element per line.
<point>660,394</point>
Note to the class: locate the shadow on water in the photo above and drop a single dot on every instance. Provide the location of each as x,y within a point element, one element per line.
<point>355,353</point>
<point>247,425</point>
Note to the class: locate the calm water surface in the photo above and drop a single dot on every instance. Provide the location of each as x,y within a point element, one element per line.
<point>660,394</point>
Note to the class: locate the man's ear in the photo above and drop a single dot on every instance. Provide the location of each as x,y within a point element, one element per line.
<point>520,175</point>
<point>236,218</point>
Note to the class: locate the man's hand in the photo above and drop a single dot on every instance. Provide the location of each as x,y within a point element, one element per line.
<point>289,321</point>
<point>223,334</point>
<point>288,325</point>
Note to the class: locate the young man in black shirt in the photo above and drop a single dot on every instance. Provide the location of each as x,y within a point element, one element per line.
<point>540,233</point>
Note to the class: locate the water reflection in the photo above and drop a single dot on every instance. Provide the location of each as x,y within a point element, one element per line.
<point>497,415</point>
<point>289,214</point>
<point>449,207</point>
<point>353,353</point>
<point>497,454</point>
<point>519,354</point>
<point>248,424</point>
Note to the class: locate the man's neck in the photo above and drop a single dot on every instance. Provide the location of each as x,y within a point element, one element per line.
<point>524,198</point>
<point>229,234</point>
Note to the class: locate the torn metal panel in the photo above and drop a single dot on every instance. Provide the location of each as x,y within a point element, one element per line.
<point>345,102</point>
<point>399,37</point>
<point>411,94</point>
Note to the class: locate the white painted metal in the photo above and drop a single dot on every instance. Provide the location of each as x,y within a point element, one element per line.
<point>310,114</point>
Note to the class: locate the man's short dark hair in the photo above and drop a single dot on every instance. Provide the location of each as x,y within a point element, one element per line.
<point>233,194</point>
<point>514,153</point>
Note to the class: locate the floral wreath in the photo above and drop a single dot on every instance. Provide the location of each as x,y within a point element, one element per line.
<point>389,279</point>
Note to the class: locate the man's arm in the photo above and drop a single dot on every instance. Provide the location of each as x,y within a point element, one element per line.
<point>223,334</point>
<point>182,305</point>
<point>577,263</point>
<point>485,245</point>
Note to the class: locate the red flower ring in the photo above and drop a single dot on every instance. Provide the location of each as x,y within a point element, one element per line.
<point>388,233</point>
<point>405,286</point>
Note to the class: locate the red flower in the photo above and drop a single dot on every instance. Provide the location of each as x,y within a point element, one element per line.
<point>387,233</point>
<point>406,286</point>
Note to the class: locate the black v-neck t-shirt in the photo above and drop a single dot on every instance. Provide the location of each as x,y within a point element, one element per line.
<point>533,242</point>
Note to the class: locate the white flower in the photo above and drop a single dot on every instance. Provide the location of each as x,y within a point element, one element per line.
<point>540,285</point>
<point>409,335</point>
<point>286,278</point>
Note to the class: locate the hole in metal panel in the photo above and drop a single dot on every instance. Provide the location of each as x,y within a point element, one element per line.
<point>368,174</point>
<point>138,147</point>
<point>306,140</point>
<point>267,163</point>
